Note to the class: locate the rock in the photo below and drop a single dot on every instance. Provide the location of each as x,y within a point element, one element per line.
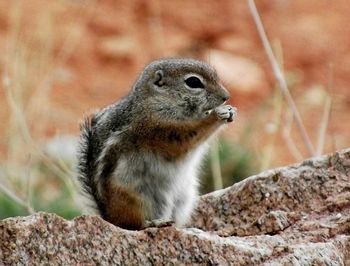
<point>297,215</point>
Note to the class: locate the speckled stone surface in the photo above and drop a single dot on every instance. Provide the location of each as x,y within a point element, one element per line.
<point>297,215</point>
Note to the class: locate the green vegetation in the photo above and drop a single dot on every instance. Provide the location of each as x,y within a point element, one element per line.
<point>48,193</point>
<point>236,163</point>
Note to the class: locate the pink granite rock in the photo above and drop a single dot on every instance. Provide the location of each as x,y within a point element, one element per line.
<point>297,215</point>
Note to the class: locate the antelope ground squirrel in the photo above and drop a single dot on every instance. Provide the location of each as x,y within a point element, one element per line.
<point>138,158</point>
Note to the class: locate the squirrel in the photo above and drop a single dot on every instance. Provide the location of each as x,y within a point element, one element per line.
<point>138,158</point>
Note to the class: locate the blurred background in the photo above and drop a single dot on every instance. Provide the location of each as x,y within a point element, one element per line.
<point>61,60</point>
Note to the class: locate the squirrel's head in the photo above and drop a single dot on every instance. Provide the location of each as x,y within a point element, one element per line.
<point>180,88</point>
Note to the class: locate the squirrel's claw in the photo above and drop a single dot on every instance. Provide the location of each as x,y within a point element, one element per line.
<point>159,223</point>
<point>226,112</point>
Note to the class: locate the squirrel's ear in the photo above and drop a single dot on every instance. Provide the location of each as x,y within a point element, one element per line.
<point>159,78</point>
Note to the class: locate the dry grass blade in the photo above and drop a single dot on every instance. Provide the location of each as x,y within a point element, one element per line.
<point>273,127</point>
<point>280,77</point>
<point>289,141</point>
<point>324,125</point>
<point>29,66</point>
<point>326,114</point>
<point>215,166</point>
<point>22,125</point>
<point>10,193</point>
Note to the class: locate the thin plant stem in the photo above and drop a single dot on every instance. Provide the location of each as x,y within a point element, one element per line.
<point>280,77</point>
<point>10,193</point>
<point>326,113</point>
<point>215,166</point>
<point>323,126</point>
<point>289,141</point>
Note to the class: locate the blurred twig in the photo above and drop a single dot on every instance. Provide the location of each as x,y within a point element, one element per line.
<point>22,124</point>
<point>324,125</point>
<point>289,141</point>
<point>272,127</point>
<point>280,77</point>
<point>28,191</point>
<point>27,81</point>
<point>326,114</point>
<point>52,62</point>
<point>215,166</point>
<point>18,199</point>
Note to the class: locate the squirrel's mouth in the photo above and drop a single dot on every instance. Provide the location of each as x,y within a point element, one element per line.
<point>212,107</point>
<point>208,111</point>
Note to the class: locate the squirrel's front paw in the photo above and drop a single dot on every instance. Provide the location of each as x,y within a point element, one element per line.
<point>159,223</point>
<point>226,112</point>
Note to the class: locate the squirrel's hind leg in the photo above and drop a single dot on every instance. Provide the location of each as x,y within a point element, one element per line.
<point>123,208</point>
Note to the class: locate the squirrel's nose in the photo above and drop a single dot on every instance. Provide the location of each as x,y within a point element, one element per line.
<point>225,97</point>
<point>225,94</point>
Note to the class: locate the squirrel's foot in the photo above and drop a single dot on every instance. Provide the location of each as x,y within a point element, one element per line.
<point>159,223</point>
<point>226,112</point>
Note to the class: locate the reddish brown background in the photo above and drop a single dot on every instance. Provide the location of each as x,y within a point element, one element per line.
<point>95,49</point>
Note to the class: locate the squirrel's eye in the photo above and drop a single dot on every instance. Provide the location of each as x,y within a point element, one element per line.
<point>194,82</point>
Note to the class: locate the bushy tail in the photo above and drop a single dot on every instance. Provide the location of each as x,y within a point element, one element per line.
<point>86,167</point>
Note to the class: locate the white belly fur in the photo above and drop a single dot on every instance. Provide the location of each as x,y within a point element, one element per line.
<point>170,187</point>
